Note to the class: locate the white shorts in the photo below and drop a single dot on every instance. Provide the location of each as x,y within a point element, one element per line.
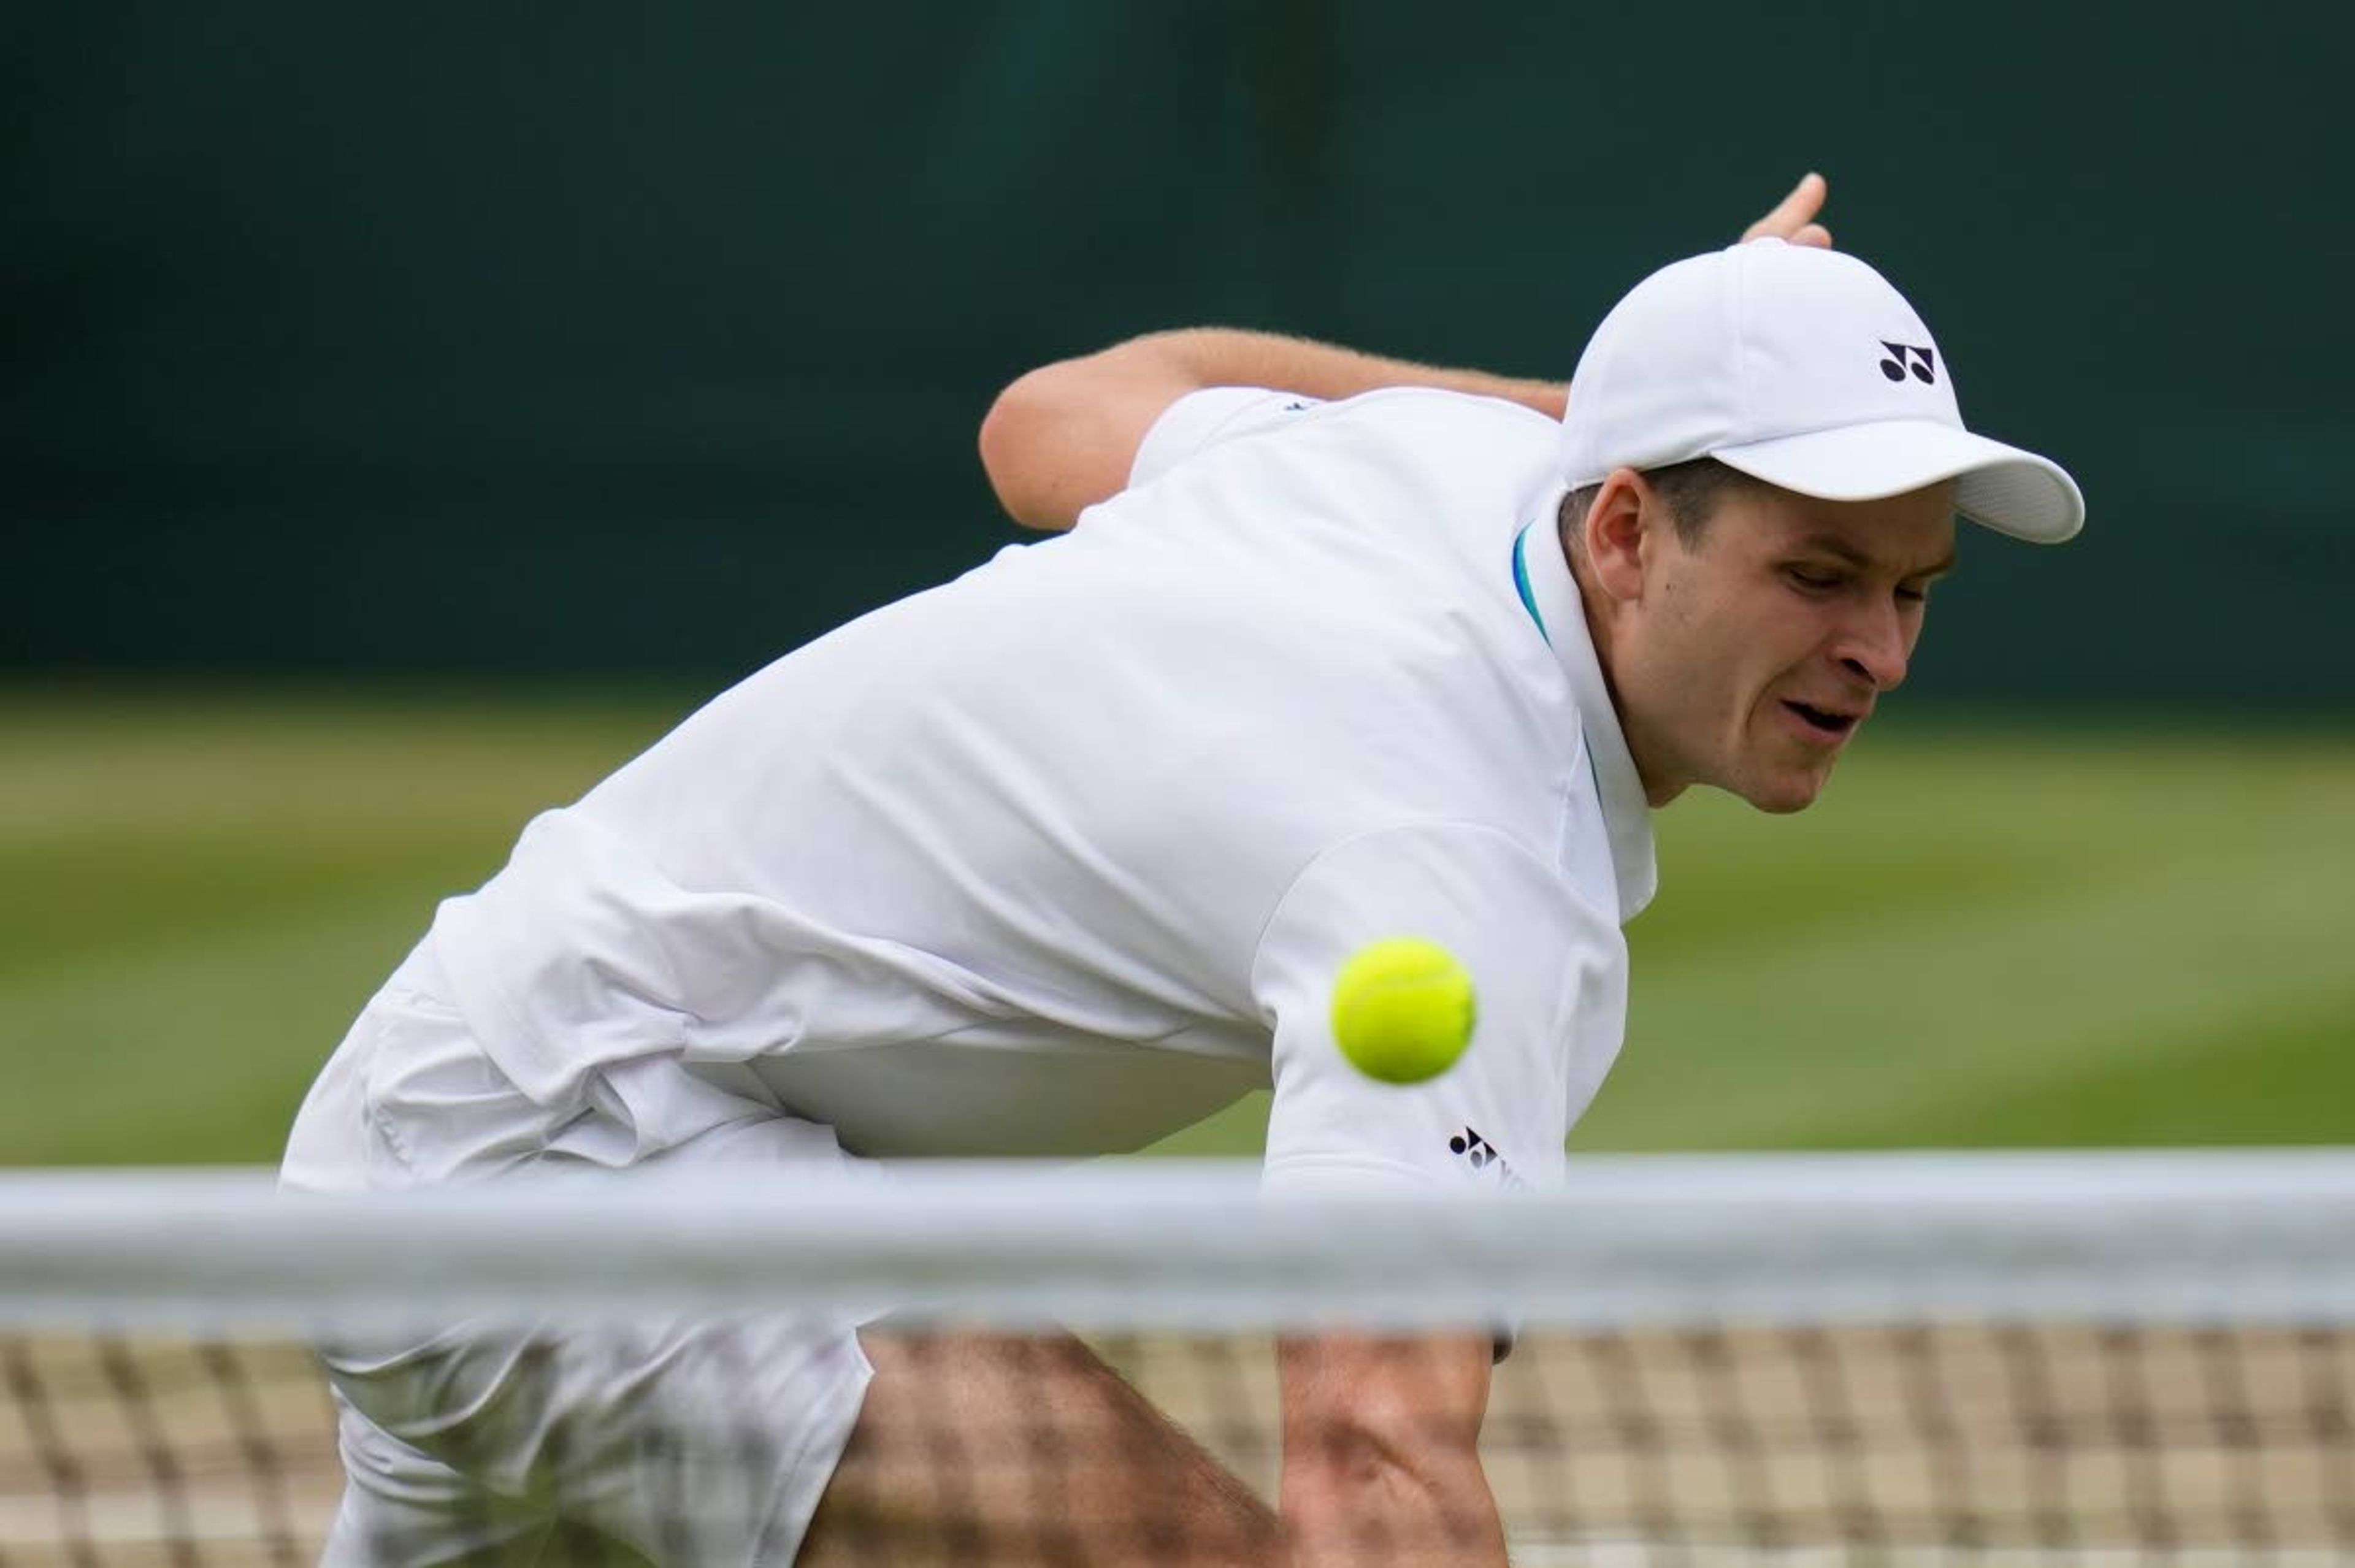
<point>687,1443</point>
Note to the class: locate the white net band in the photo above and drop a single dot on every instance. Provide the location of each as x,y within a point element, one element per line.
<point>2177,1237</point>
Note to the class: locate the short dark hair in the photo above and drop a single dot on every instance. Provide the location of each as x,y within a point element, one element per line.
<point>1690,490</point>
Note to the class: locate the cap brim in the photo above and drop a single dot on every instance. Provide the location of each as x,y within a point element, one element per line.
<point>2011,491</point>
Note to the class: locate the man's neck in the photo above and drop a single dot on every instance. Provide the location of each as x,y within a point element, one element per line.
<point>1602,631</point>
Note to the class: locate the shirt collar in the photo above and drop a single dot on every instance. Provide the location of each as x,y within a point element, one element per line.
<point>1550,593</point>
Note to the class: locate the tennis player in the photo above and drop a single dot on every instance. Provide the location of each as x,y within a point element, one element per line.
<point>1058,856</point>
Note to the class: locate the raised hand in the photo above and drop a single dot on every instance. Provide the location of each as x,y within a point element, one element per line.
<point>1794,217</point>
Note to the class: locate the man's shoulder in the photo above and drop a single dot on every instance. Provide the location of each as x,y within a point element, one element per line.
<point>1422,449</point>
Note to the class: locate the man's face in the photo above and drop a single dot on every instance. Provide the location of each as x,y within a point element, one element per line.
<point>1749,660</point>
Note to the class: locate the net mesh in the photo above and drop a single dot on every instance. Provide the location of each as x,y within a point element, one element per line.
<point>2147,1361</point>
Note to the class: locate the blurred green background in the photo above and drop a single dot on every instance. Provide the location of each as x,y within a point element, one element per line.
<point>409,413</point>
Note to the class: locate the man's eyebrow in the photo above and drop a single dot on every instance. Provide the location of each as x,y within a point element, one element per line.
<point>1835,545</point>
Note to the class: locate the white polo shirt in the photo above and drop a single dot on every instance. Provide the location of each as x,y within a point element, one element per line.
<point>1063,855</point>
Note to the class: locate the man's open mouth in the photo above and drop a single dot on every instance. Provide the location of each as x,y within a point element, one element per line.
<point>1823,719</point>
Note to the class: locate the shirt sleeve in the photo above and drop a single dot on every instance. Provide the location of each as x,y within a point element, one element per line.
<point>1203,419</point>
<point>1548,973</point>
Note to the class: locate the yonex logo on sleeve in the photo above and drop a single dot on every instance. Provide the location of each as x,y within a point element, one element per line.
<point>1482,1156</point>
<point>1903,357</point>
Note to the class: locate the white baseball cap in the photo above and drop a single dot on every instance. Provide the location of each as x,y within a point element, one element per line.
<point>1804,368</point>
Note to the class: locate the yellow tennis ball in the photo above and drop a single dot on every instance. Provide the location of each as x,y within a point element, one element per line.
<point>1403,1009</point>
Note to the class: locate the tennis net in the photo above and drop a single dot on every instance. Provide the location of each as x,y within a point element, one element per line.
<point>2096,1358</point>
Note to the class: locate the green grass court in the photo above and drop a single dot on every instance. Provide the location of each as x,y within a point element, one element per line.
<point>1982,935</point>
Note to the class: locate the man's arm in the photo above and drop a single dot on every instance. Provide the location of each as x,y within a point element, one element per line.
<point>1065,436</point>
<point>1381,1462</point>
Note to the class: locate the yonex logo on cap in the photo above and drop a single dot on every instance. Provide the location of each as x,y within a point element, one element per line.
<point>1905,355</point>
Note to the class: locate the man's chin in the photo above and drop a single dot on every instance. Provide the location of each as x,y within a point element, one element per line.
<point>1782,793</point>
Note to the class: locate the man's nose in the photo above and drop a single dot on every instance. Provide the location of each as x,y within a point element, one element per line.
<point>1874,645</point>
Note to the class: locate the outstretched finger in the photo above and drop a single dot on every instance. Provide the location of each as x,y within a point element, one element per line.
<point>1794,213</point>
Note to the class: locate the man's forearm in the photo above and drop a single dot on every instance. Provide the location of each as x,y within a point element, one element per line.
<point>1064,437</point>
<point>1227,356</point>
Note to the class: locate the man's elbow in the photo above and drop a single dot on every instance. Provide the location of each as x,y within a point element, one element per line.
<point>1016,436</point>
<point>1357,1493</point>
<point>1388,1446</point>
<point>1383,1446</point>
<point>1065,436</point>
<point>1361,1462</point>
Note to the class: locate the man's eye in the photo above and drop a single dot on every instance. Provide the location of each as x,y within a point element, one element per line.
<point>1914,595</point>
<point>1816,582</point>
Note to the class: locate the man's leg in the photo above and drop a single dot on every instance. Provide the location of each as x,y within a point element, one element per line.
<point>995,1449</point>
<point>402,1508</point>
<point>681,1442</point>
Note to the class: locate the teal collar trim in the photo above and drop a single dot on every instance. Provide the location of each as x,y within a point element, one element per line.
<point>1521,581</point>
<point>1549,592</point>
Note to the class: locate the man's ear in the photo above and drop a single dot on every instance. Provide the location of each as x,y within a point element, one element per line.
<point>1614,533</point>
